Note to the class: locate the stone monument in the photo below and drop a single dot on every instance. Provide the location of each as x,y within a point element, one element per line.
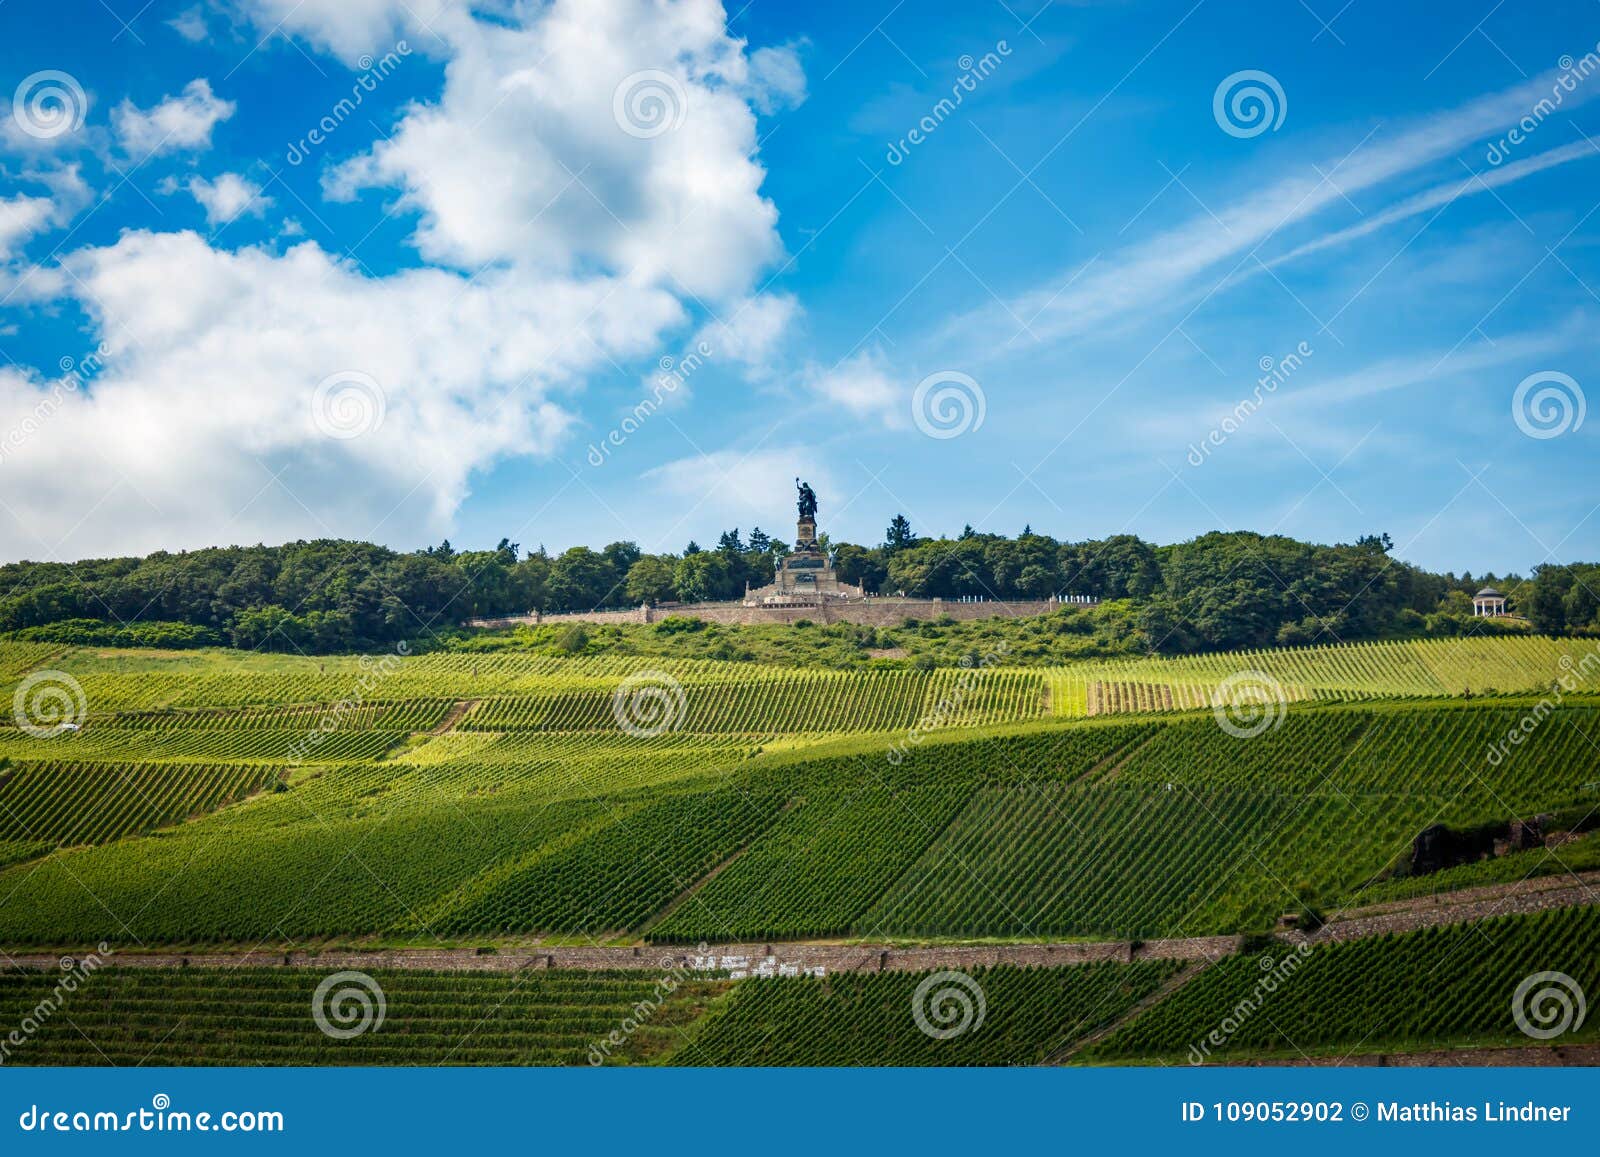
<point>806,571</point>
<point>807,575</point>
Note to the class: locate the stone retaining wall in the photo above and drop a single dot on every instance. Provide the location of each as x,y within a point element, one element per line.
<point>735,960</point>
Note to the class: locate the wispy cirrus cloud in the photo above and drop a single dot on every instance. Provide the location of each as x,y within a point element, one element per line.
<point>1442,195</point>
<point>1127,283</point>
<point>1330,412</point>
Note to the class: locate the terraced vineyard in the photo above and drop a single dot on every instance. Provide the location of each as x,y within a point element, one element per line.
<point>1339,673</point>
<point>249,744</point>
<point>550,693</point>
<point>1439,987</point>
<point>858,825</point>
<point>1105,830</point>
<point>456,800</point>
<point>617,874</point>
<point>404,716</point>
<point>1064,861</point>
<point>260,1016</point>
<point>1447,987</point>
<point>59,803</point>
<point>1005,1016</point>
<point>809,702</point>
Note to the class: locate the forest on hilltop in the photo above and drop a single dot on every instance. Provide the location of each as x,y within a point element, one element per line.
<point>1215,592</point>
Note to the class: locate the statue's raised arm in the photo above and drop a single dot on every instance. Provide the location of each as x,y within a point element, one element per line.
<point>808,500</point>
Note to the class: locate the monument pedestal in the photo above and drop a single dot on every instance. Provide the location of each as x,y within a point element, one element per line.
<point>807,571</point>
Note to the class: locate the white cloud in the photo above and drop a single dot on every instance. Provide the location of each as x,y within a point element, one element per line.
<point>21,217</point>
<point>189,24</point>
<point>1432,367</point>
<point>225,198</point>
<point>1443,195</point>
<point>200,427</point>
<point>177,122</point>
<point>24,215</point>
<point>211,365</point>
<point>778,81</point>
<point>862,386</point>
<point>525,157</point>
<point>348,28</point>
<point>750,331</point>
<point>1330,412</point>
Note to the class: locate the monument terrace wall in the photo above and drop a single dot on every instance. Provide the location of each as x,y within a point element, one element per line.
<point>875,612</point>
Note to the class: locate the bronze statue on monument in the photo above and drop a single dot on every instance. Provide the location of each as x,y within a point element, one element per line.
<point>808,501</point>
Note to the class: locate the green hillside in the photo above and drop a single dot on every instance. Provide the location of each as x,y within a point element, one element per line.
<point>215,799</point>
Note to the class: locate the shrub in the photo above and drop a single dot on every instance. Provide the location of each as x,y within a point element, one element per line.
<point>95,633</point>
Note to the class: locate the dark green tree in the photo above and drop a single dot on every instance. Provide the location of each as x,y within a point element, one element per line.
<point>899,536</point>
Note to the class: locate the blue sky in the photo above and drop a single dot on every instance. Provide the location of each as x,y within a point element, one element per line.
<point>437,310</point>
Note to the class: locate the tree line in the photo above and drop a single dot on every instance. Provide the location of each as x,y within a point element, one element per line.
<point>1217,591</point>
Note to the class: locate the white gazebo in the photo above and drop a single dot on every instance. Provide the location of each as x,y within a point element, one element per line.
<point>1488,604</point>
